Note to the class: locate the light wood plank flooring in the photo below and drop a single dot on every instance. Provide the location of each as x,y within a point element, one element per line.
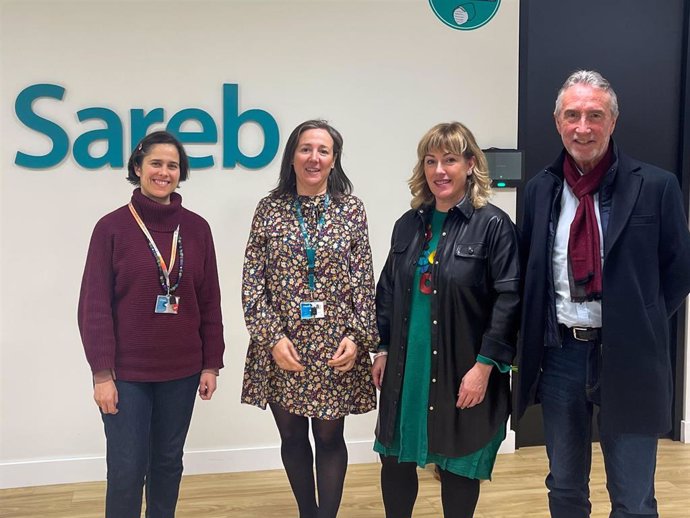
<point>517,491</point>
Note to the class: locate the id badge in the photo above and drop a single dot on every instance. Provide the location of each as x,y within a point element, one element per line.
<point>167,304</point>
<point>312,309</point>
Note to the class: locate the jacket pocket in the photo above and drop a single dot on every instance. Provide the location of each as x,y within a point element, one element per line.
<point>642,219</point>
<point>471,250</point>
<point>469,266</point>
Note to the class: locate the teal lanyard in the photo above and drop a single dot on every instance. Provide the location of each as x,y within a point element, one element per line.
<point>308,246</point>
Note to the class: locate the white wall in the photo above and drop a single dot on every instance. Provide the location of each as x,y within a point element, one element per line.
<point>382,72</point>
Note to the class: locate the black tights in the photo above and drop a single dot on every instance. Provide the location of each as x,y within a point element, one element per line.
<point>331,461</point>
<point>399,485</point>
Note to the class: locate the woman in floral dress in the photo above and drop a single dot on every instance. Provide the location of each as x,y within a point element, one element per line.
<point>308,298</point>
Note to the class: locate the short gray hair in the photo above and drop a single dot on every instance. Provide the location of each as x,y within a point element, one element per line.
<point>591,78</point>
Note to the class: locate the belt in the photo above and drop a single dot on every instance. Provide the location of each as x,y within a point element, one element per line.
<point>582,334</point>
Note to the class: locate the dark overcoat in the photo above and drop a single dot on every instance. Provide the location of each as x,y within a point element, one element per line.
<point>646,276</point>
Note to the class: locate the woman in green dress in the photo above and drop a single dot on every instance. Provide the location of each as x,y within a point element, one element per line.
<point>447,306</point>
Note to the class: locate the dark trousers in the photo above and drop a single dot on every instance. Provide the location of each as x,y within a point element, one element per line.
<point>145,440</point>
<point>568,389</point>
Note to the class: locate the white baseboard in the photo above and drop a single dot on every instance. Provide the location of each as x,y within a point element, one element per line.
<point>508,444</point>
<point>685,432</point>
<point>51,471</point>
<point>89,469</point>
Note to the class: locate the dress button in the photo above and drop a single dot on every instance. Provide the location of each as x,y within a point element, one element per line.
<point>433,380</point>
<point>443,234</point>
<point>435,292</point>
<point>435,322</point>
<point>435,352</point>
<point>431,408</point>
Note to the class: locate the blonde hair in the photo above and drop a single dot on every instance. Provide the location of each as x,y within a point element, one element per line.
<point>451,137</point>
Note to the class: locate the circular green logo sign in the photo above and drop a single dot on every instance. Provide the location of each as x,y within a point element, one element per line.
<point>465,15</point>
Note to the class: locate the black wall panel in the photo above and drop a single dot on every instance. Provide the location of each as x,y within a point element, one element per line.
<point>635,44</point>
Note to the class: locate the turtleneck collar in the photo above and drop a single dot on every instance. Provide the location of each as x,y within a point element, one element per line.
<point>156,216</point>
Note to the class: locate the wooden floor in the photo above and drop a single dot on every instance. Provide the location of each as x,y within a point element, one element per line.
<point>517,491</point>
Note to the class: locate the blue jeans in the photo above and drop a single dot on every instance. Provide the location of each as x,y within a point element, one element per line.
<point>568,389</point>
<point>145,440</point>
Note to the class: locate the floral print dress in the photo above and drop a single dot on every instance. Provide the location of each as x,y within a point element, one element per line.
<point>275,282</point>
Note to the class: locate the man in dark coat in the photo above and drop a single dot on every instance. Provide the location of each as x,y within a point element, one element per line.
<point>606,252</point>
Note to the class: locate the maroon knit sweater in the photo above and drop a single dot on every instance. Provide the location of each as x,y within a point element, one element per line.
<point>118,326</point>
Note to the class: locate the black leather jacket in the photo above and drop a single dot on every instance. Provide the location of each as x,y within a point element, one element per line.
<point>474,310</point>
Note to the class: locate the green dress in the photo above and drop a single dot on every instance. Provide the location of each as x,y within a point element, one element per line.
<point>410,443</point>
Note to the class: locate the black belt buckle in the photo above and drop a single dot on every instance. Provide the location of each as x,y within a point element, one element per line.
<point>585,334</point>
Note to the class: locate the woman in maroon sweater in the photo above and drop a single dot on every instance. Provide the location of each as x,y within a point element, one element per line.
<point>150,321</point>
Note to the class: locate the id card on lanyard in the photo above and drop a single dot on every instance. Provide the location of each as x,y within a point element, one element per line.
<point>169,303</point>
<point>310,309</point>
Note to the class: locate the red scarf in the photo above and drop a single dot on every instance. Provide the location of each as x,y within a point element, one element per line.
<point>584,245</point>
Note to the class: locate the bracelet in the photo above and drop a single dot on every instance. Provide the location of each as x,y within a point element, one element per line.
<point>380,353</point>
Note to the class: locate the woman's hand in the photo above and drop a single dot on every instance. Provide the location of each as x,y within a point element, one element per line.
<point>207,385</point>
<point>378,369</point>
<point>105,395</point>
<point>473,386</point>
<point>345,355</point>
<point>285,355</point>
